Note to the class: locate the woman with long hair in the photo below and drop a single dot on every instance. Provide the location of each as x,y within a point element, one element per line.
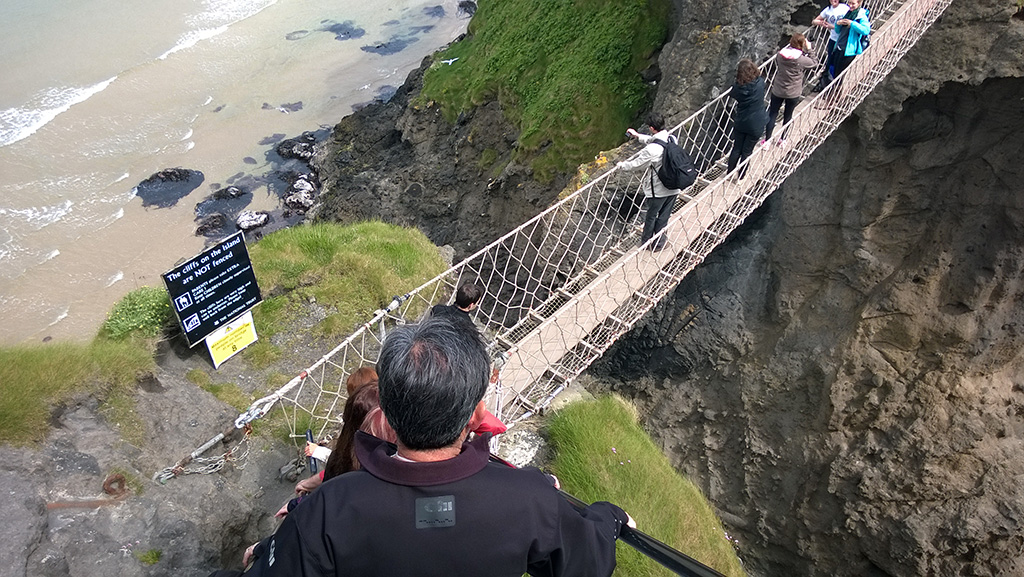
<point>750,117</point>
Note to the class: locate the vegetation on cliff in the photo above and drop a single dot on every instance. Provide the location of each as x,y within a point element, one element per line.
<point>567,74</point>
<point>347,272</point>
<point>602,454</point>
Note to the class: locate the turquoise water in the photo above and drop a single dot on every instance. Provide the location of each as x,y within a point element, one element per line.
<point>95,97</point>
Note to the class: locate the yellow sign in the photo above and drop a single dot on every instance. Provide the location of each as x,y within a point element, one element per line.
<point>231,338</point>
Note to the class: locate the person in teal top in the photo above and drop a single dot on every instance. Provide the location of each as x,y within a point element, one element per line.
<point>853,29</point>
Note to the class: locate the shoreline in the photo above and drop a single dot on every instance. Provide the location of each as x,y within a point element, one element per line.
<point>91,264</point>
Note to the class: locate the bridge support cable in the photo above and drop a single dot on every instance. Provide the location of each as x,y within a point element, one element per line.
<point>564,286</point>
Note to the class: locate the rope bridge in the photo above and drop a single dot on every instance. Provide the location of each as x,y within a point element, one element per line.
<point>565,285</point>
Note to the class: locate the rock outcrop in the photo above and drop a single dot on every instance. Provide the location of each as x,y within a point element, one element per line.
<point>843,376</point>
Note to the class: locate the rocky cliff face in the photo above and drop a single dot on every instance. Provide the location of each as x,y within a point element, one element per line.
<point>844,377</point>
<point>402,162</point>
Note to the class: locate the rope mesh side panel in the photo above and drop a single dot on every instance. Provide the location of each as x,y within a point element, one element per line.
<point>565,285</point>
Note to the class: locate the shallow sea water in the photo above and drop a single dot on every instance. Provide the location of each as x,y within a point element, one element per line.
<point>95,99</point>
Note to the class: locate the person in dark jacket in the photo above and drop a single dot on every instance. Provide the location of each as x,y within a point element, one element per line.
<point>788,84</point>
<point>750,117</point>
<point>432,505</point>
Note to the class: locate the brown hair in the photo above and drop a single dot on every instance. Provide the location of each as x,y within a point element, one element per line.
<point>362,376</point>
<point>746,72</point>
<point>343,455</point>
<point>798,41</point>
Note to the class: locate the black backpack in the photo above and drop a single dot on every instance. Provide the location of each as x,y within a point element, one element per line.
<point>677,170</point>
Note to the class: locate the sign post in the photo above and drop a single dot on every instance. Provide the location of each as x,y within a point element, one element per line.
<point>213,289</point>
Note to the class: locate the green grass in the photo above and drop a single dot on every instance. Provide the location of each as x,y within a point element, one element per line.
<point>144,312</point>
<point>150,557</point>
<point>601,454</point>
<point>350,270</point>
<point>34,377</point>
<point>565,73</point>
<point>229,393</point>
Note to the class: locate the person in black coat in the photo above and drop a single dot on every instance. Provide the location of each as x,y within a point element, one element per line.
<point>751,116</point>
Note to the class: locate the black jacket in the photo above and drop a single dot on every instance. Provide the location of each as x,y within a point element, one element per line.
<point>462,516</point>
<point>751,116</point>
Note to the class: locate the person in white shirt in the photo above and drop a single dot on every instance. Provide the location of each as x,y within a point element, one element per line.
<point>827,19</point>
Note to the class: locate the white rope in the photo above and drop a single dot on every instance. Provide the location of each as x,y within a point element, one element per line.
<point>563,286</point>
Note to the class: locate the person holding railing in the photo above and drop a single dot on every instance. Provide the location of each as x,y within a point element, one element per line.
<point>788,84</point>
<point>750,116</point>
<point>827,19</point>
<point>660,198</point>
<point>853,30</point>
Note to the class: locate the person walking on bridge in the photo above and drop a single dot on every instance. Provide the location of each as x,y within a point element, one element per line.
<point>788,84</point>
<point>827,19</point>
<point>853,30</point>
<point>750,116</point>
<point>660,199</point>
<point>432,505</point>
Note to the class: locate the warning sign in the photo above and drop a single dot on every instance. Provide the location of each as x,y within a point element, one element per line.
<point>231,338</point>
<point>212,288</point>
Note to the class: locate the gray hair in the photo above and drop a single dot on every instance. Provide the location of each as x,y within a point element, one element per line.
<point>431,377</point>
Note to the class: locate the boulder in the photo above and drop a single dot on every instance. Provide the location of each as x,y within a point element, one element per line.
<point>250,219</point>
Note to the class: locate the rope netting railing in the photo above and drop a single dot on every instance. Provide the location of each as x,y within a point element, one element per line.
<point>565,285</point>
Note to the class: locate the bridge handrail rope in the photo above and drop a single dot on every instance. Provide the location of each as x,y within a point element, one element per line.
<point>563,286</point>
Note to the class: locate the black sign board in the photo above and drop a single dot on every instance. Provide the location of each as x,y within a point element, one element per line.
<point>212,288</point>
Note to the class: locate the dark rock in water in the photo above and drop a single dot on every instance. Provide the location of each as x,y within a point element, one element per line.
<point>286,107</point>
<point>301,194</point>
<point>212,224</point>
<point>392,46</point>
<point>276,137</point>
<point>467,8</point>
<point>166,187</point>
<point>249,160</point>
<point>421,29</point>
<point>299,148</point>
<point>229,192</point>
<point>434,11</point>
<point>344,30</point>
<point>219,108</point>
<point>391,23</point>
<point>249,219</point>
<point>297,35</point>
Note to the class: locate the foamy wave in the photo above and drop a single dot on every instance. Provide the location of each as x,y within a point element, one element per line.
<point>187,135</point>
<point>227,12</point>
<point>39,217</point>
<point>61,316</point>
<point>50,256</point>
<point>113,279</point>
<point>120,178</point>
<point>19,123</point>
<point>192,38</point>
<point>209,99</point>
<point>190,146</point>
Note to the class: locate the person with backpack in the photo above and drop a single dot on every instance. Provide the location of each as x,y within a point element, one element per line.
<point>853,31</point>
<point>827,19</point>
<point>671,170</point>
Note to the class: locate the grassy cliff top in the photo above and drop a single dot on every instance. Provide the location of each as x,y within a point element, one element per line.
<point>566,73</point>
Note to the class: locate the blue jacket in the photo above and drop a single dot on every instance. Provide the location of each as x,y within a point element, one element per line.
<point>850,37</point>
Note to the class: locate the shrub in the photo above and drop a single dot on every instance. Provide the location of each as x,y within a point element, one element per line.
<point>143,312</point>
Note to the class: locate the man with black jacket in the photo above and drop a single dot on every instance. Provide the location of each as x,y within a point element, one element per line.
<point>434,504</point>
